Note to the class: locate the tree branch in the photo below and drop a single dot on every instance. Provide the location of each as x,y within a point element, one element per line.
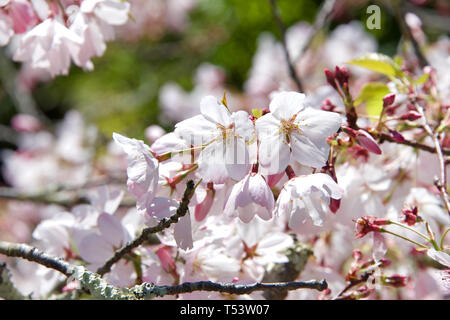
<point>321,20</point>
<point>282,28</point>
<point>385,137</point>
<point>7,289</point>
<point>400,14</point>
<point>163,224</point>
<point>442,183</point>
<point>99,288</point>
<point>35,255</point>
<point>188,287</point>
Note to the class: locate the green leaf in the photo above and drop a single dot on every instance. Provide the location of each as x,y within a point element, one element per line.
<point>422,79</point>
<point>372,95</point>
<point>257,113</point>
<point>379,63</point>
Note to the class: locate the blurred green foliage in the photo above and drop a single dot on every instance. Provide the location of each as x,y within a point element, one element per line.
<point>121,94</point>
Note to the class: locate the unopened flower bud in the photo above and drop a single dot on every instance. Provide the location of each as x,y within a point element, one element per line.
<point>166,259</point>
<point>367,224</point>
<point>367,141</point>
<point>388,100</point>
<point>384,263</point>
<point>327,105</point>
<point>342,75</point>
<point>330,78</point>
<point>395,280</point>
<point>411,115</point>
<point>398,137</point>
<point>202,209</point>
<point>153,132</point>
<point>410,216</point>
<point>25,123</point>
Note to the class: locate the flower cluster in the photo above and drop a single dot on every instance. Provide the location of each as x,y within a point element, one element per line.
<point>243,156</point>
<point>49,35</point>
<point>274,184</point>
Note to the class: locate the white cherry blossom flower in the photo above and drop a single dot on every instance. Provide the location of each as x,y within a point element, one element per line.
<point>225,138</point>
<point>114,12</point>
<point>251,196</point>
<point>293,130</point>
<point>50,46</point>
<point>305,196</point>
<point>142,171</point>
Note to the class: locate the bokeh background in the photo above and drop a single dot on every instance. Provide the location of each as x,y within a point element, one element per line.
<point>123,92</point>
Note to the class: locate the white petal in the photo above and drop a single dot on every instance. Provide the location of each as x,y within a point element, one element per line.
<point>237,158</point>
<point>243,126</point>
<point>439,256</point>
<point>197,130</point>
<point>111,230</point>
<point>95,249</point>
<point>274,154</point>
<point>162,207</point>
<point>298,217</point>
<point>231,204</point>
<point>246,213</point>
<point>305,152</point>
<point>267,126</point>
<point>286,104</point>
<point>211,163</point>
<point>213,110</point>
<point>183,233</point>
<point>260,192</point>
<point>113,12</point>
<point>142,171</point>
<point>326,185</point>
<point>317,125</point>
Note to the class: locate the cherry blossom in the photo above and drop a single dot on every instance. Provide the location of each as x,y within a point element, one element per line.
<point>250,196</point>
<point>306,197</point>
<point>224,136</point>
<point>293,130</point>
<point>142,169</point>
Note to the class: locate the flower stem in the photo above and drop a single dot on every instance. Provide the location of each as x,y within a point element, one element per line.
<point>411,229</point>
<point>404,238</point>
<point>442,239</point>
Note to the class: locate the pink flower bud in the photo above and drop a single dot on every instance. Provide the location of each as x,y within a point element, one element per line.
<point>411,115</point>
<point>25,123</point>
<point>166,259</point>
<point>410,216</point>
<point>153,132</point>
<point>202,209</point>
<point>384,262</point>
<point>330,78</point>
<point>327,105</point>
<point>356,151</point>
<point>395,280</point>
<point>396,136</point>
<point>367,224</point>
<point>342,75</point>
<point>388,99</point>
<point>367,141</point>
<point>351,132</point>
